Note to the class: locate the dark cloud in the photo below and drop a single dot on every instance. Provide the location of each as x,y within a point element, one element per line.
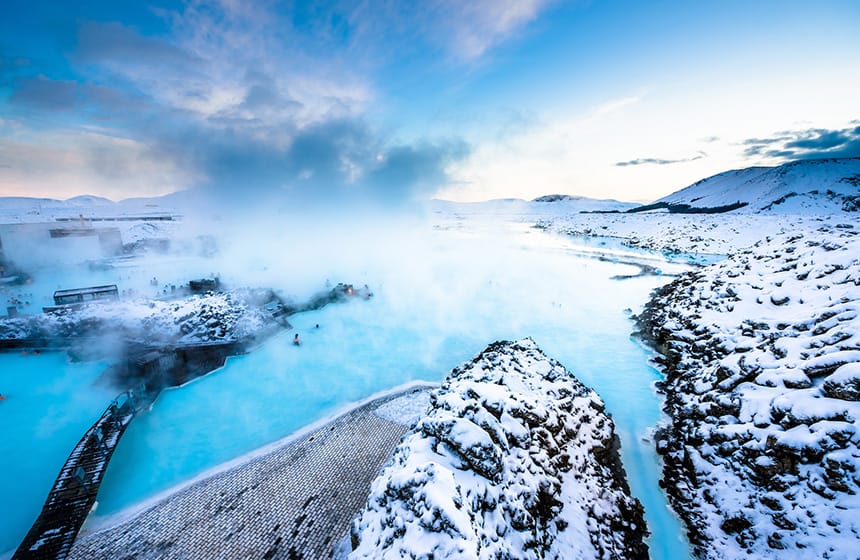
<point>114,42</point>
<point>812,143</point>
<point>46,94</point>
<point>43,93</point>
<point>336,162</point>
<point>657,161</point>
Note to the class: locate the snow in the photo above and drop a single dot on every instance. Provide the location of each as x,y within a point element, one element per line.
<point>817,186</point>
<point>214,317</point>
<point>762,394</point>
<point>510,461</point>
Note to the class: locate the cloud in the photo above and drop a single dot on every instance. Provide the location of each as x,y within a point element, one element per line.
<point>478,26</point>
<point>812,143</point>
<point>463,31</point>
<point>50,95</point>
<point>63,163</point>
<point>43,93</point>
<point>228,99</point>
<point>339,161</point>
<point>612,106</point>
<point>116,43</point>
<point>657,161</point>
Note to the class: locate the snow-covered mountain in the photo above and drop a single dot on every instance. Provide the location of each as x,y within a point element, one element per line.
<point>810,186</point>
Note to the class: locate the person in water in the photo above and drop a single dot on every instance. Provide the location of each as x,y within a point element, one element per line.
<point>2,397</point>
<point>296,340</point>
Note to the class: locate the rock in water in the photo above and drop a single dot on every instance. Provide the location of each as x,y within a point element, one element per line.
<point>514,459</point>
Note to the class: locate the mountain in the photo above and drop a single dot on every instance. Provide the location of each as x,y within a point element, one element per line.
<point>582,203</point>
<point>88,200</point>
<point>807,186</point>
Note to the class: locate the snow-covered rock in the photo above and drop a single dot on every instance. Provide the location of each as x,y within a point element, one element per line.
<point>514,459</point>
<point>762,362</point>
<point>236,315</point>
<point>715,234</point>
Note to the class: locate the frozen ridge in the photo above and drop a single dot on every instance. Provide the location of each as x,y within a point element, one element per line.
<point>762,362</point>
<point>515,458</point>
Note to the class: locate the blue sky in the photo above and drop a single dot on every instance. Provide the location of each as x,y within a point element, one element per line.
<point>403,100</point>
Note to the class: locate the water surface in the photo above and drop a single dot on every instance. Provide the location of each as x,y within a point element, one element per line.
<point>437,304</point>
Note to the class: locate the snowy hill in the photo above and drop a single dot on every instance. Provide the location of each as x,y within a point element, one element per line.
<point>18,209</point>
<point>810,186</point>
<point>87,200</point>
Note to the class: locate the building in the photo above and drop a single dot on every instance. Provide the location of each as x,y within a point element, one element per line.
<point>33,245</point>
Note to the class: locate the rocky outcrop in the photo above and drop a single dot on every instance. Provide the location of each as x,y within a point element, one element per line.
<point>514,459</point>
<point>212,317</point>
<point>242,315</point>
<point>761,356</point>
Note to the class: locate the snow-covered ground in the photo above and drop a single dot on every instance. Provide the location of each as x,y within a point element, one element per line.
<point>514,459</point>
<point>794,195</point>
<point>762,357</point>
<point>714,234</point>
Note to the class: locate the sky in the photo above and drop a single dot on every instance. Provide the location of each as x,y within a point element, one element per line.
<point>397,101</point>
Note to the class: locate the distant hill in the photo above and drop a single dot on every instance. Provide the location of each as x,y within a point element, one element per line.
<point>14,209</point>
<point>88,200</point>
<point>808,186</point>
<point>551,203</point>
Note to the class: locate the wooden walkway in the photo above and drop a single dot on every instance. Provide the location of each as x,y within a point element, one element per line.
<point>74,493</point>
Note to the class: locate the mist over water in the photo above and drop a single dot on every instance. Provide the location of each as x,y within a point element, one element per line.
<point>444,289</point>
<point>445,286</point>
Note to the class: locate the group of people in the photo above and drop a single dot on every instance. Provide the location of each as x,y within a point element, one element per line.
<point>19,300</point>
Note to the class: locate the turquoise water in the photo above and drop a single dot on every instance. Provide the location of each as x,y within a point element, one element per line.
<point>443,310</point>
<point>49,404</point>
<point>437,304</point>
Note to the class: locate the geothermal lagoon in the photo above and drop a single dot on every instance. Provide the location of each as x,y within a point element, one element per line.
<point>463,286</point>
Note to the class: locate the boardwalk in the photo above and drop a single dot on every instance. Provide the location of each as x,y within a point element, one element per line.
<point>295,502</point>
<point>72,497</point>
